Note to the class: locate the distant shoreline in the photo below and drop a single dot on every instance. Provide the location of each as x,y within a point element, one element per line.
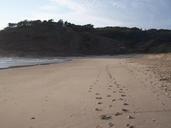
<point>36,64</point>
<point>68,59</point>
<point>65,59</point>
<point>23,66</point>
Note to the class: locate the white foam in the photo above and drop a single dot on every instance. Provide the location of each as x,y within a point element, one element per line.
<point>16,61</point>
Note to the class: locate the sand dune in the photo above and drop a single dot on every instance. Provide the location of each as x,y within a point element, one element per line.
<point>84,93</point>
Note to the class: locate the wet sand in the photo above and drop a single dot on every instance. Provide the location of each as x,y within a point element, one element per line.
<point>83,93</point>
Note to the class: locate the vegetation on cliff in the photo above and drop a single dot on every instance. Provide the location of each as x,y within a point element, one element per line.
<point>49,38</point>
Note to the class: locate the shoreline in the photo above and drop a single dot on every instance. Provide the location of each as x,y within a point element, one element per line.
<point>68,59</point>
<point>40,63</point>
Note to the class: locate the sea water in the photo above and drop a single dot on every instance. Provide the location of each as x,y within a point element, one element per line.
<point>6,62</point>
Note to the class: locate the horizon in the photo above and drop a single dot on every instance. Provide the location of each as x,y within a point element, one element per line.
<point>144,14</point>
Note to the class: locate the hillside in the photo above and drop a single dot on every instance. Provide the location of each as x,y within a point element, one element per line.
<point>49,38</point>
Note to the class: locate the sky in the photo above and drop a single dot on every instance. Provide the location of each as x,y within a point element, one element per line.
<point>144,14</point>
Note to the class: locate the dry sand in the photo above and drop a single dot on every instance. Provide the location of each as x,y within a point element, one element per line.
<point>84,93</point>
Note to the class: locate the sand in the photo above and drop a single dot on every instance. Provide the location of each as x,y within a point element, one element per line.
<point>84,93</point>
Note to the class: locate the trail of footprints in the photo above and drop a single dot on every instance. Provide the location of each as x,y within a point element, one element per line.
<point>115,88</point>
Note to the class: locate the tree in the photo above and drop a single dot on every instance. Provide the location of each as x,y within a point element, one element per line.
<point>24,23</point>
<point>60,22</point>
<point>36,22</point>
<point>51,20</point>
<point>12,25</point>
<point>88,27</point>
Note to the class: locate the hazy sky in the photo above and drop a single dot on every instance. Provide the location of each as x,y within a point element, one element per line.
<point>139,13</point>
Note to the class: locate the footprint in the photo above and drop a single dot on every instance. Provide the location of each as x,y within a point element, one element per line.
<point>33,118</point>
<point>113,100</point>
<point>46,100</point>
<point>108,95</point>
<point>99,98</point>
<point>110,124</point>
<point>121,99</point>
<point>117,86</point>
<point>123,95</point>
<point>98,126</point>
<point>130,117</point>
<point>99,103</point>
<point>121,92</point>
<point>118,114</point>
<point>97,94</point>
<point>106,117</point>
<point>115,83</point>
<point>125,110</point>
<point>125,104</point>
<point>129,126</point>
<point>98,109</point>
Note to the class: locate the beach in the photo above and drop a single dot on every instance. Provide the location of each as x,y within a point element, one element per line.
<point>91,92</point>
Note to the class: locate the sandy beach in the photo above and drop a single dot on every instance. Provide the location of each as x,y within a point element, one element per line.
<point>85,93</point>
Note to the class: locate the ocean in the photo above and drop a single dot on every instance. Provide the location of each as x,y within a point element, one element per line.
<point>6,62</point>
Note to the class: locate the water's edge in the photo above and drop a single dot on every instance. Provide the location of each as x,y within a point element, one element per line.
<point>6,63</point>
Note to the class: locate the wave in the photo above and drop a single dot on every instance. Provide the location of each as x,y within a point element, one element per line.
<point>20,62</point>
